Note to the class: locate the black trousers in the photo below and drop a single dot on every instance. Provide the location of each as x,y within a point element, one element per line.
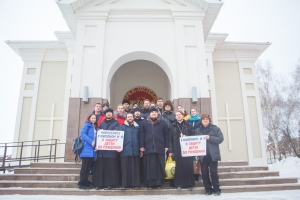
<point>85,168</point>
<point>213,184</point>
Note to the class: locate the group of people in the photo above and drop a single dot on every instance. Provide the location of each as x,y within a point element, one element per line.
<point>150,135</point>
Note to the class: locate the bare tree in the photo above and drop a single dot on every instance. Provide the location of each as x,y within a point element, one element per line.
<point>291,109</point>
<point>270,89</point>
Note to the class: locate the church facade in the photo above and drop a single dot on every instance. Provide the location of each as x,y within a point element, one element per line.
<point>160,48</point>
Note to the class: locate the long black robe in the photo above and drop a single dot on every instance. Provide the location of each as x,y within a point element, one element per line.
<point>184,169</point>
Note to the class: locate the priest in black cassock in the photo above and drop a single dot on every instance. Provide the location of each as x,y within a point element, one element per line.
<point>106,172</point>
<point>154,142</point>
<point>184,170</point>
<point>130,155</point>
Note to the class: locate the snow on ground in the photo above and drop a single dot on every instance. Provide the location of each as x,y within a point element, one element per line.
<point>289,167</point>
<point>275,195</point>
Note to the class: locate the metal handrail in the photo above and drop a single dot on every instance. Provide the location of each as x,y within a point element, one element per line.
<point>36,158</point>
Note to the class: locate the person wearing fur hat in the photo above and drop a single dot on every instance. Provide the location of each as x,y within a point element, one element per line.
<point>120,115</point>
<point>168,113</point>
<point>186,116</point>
<point>126,104</point>
<point>154,142</point>
<point>209,162</point>
<point>106,172</point>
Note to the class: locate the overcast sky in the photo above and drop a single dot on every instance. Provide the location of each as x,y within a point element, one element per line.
<point>274,21</point>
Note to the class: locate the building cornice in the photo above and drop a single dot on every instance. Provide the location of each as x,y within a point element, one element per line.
<point>37,50</point>
<point>209,10</point>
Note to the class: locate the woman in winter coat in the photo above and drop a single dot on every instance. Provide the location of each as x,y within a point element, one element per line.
<point>168,113</point>
<point>87,155</point>
<point>195,121</point>
<point>209,163</point>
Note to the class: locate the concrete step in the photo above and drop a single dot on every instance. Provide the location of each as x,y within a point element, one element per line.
<point>76,170</point>
<point>41,177</point>
<point>73,184</point>
<point>248,174</point>
<point>142,191</point>
<point>75,177</point>
<point>55,165</point>
<point>74,165</point>
<point>233,163</point>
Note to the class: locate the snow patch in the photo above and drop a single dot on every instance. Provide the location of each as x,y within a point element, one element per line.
<point>289,167</point>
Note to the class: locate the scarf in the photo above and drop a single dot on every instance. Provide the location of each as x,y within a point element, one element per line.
<point>194,118</point>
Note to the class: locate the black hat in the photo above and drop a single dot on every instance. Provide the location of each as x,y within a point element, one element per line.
<point>109,110</point>
<point>136,103</point>
<point>105,104</point>
<point>126,101</point>
<point>135,110</point>
<point>152,109</point>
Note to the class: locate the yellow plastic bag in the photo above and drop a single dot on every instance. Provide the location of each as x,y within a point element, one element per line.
<point>170,168</point>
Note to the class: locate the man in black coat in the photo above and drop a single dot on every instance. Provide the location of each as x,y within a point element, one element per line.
<point>214,137</point>
<point>154,142</point>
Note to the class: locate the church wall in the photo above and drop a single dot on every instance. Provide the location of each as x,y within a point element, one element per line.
<point>122,38</point>
<point>50,104</point>
<point>254,126</point>
<point>229,92</point>
<point>24,123</point>
<point>138,73</point>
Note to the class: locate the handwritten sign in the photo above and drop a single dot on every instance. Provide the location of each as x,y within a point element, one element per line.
<point>110,140</point>
<point>193,146</point>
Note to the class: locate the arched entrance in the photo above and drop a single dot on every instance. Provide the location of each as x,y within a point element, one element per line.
<point>139,74</point>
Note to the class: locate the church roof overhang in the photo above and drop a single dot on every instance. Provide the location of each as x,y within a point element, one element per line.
<point>18,45</point>
<point>211,8</point>
<point>216,41</point>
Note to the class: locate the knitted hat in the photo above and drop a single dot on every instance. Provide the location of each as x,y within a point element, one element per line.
<point>136,103</point>
<point>109,110</point>
<point>168,102</point>
<point>152,109</point>
<point>205,116</point>
<point>105,104</point>
<point>126,101</point>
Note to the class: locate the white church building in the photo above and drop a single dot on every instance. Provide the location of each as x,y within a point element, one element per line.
<point>159,48</point>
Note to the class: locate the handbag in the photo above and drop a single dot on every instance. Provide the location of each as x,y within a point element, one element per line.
<point>170,168</point>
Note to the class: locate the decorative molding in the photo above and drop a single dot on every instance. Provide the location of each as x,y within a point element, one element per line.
<point>51,119</point>
<point>227,119</point>
<point>71,8</point>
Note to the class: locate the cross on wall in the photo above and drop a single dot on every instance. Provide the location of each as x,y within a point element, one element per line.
<point>227,119</point>
<point>51,119</point>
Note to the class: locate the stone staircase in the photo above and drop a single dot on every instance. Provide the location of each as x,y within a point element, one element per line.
<point>62,178</point>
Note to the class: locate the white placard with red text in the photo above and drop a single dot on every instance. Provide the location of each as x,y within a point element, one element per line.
<point>193,146</point>
<point>110,140</point>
